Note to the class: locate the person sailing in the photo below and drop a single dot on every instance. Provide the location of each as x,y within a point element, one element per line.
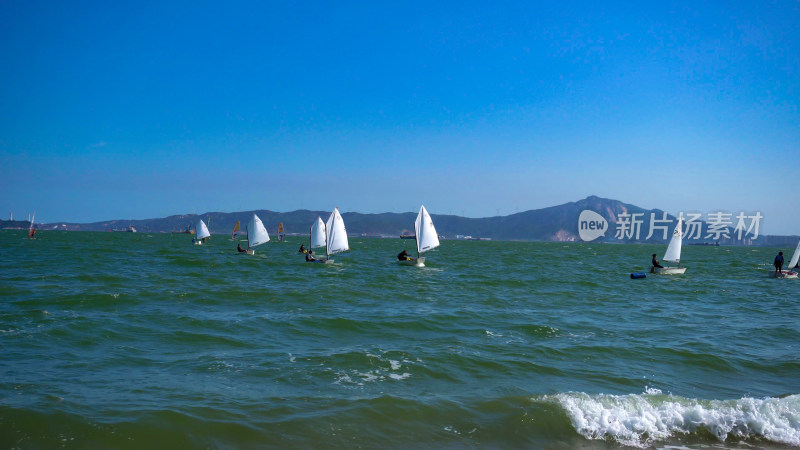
<point>310,256</point>
<point>778,263</point>
<point>240,249</point>
<point>655,264</point>
<point>302,248</point>
<point>403,256</point>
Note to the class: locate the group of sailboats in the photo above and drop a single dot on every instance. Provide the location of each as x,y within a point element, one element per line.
<point>331,234</point>
<point>673,254</point>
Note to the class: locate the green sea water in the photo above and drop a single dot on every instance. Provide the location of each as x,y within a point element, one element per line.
<point>134,340</point>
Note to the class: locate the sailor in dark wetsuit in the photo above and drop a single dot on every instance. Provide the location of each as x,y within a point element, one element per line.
<point>310,256</point>
<point>241,250</point>
<point>655,262</point>
<point>403,256</point>
<point>302,248</point>
<point>778,262</point>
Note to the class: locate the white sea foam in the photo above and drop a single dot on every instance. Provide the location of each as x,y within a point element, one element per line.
<point>643,419</point>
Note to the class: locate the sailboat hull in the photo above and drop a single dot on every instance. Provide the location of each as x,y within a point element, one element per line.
<point>668,270</point>
<point>322,261</point>
<point>783,274</point>
<point>419,262</point>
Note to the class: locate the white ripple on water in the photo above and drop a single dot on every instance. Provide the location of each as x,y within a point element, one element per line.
<point>640,420</point>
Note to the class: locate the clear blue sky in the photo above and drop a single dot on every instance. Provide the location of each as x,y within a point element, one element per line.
<point>115,110</point>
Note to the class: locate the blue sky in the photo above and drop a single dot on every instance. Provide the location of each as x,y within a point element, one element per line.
<point>133,111</point>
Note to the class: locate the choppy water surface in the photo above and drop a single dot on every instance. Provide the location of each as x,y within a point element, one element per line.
<point>135,340</point>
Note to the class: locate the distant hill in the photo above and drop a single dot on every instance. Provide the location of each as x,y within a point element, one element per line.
<point>555,223</point>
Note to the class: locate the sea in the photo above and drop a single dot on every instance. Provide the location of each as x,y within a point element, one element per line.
<point>138,340</point>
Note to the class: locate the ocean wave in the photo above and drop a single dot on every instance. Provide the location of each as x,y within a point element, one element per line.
<point>641,420</point>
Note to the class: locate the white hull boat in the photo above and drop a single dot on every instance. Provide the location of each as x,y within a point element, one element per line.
<point>411,261</point>
<point>668,270</point>
<point>322,261</point>
<point>786,274</point>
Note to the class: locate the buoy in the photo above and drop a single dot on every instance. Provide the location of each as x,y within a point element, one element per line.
<point>638,275</point>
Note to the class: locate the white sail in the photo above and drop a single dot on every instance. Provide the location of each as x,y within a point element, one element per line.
<point>336,233</point>
<point>256,233</point>
<point>795,257</point>
<point>31,231</point>
<point>673,253</point>
<point>317,238</point>
<point>201,230</point>
<point>427,238</point>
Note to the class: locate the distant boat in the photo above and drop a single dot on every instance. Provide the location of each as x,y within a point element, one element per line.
<point>202,232</point>
<point>425,237</point>
<point>673,253</point>
<point>237,231</point>
<point>792,271</point>
<point>188,230</point>
<point>31,229</point>
<point>335,235</point>
<point>281,232</point>
<point>408,236</point>
<point>130,229</point>
<point>256,234</point>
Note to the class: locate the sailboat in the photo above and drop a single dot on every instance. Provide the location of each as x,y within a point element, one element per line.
<point>673,253</point>
<point>281,232</point>
<point>256,234</point>
<point>335,236</point>
<point>317,237</point>
<point>425,236</point>
<point>791,272</point>
<point>237,231</point>
<point>201,232</point>
<point>31,230</point>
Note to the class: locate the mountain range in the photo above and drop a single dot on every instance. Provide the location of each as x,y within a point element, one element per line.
<point>555,223</point>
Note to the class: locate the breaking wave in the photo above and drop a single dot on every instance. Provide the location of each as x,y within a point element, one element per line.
<point>641,420</point>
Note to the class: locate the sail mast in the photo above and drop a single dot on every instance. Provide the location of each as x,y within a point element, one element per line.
<point>416,232</point>
<point>327,243</point>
